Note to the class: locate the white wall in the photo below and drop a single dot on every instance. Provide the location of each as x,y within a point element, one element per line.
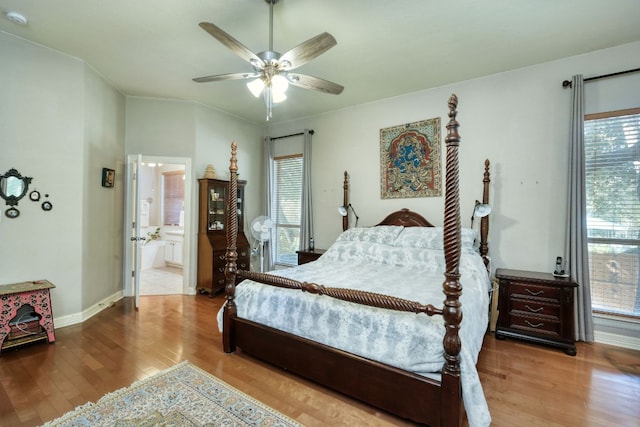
<point>102,206</point>
<point>215,132</point>
<point>517,119</point>
<point>60,123</point>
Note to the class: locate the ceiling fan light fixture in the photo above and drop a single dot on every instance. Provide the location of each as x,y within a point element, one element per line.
<point>256,87</point>
<point>279,84</point>
<point>271,76</point>
<point>278,97</point>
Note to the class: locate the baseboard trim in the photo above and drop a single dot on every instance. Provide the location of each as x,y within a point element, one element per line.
<point>617,340</point>
<point>72,319</point>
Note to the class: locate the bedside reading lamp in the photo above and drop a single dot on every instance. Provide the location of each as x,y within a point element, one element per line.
<point>480,210</point>
<point>344,211</point>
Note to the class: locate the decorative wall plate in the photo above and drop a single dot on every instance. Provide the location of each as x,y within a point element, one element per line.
<point>12,212</point>
<point>47,206</point>
<point>34,195</point>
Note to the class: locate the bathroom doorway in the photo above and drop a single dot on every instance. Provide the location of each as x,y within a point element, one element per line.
<point>158,244</point>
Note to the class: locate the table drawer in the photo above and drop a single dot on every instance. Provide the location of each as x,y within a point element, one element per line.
<point>219,280</point>
<point>538,325</point>
<point>530,290</point>
<point>220,259</point>
<point>535,307</point>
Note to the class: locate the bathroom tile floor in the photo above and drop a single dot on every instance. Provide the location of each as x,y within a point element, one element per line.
<point>161,281</point>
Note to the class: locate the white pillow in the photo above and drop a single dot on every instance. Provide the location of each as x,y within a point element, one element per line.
<point>380,234</point>
<point>431,238</point>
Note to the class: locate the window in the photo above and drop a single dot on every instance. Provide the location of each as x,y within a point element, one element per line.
<point>612,166</point>
<point>173,197</point>
<point>287,203</point>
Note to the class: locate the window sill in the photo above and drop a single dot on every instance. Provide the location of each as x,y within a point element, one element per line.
<point>617,330</point>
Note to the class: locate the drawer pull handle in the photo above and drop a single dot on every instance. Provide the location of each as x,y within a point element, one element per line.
<point>537,325</point>
<point>222,257</point>
<point>534,310</point>
<point>534,293</point>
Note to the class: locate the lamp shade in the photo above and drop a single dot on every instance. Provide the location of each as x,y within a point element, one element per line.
<point>256,86</point>
<point>342,210</point>
<point>481,210</point>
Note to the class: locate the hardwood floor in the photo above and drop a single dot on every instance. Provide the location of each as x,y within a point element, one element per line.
<point>525,384</point>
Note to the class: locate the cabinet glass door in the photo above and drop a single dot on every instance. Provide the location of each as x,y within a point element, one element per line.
<point>217,200</point>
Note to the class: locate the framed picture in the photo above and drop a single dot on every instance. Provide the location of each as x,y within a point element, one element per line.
<point>410,160</point>
<point>108,177</point>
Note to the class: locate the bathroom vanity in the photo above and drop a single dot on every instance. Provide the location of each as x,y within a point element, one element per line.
<point>173,248</point>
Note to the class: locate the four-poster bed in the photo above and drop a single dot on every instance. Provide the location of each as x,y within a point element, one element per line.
<point>397,363</point>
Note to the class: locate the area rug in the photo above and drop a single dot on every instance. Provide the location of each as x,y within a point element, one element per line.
<point>183,395</point>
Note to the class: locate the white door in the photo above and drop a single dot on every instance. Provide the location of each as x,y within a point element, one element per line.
<point>133,239</point>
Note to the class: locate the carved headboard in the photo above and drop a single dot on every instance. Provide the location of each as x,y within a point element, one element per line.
<point>406,218</point>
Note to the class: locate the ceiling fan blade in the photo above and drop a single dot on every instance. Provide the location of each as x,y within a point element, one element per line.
<point>316,83</point>
<point>231,76</point>
<point>306,51</point>
<point>238,48</point>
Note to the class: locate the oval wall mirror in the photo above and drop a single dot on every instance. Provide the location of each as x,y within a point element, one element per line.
<point>13,186</point>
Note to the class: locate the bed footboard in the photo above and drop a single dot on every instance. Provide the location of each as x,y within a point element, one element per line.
<point>396,391</point>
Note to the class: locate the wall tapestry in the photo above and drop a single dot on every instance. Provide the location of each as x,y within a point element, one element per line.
<point>410,160</point>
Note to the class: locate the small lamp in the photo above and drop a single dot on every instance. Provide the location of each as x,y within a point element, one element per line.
<point>344,211</point>
<point>480,210</point>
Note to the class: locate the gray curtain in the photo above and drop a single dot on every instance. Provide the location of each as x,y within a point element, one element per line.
<point>306,225</point>
<point>576,245</point>
<point>269,247</point>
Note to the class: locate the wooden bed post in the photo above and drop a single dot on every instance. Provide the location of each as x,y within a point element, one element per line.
<point>230,309</point>
<point>345,201</point>
<point>451,397</point>
<point>484,221</point>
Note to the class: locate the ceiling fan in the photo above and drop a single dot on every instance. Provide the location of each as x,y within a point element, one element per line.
<point>272,70</point>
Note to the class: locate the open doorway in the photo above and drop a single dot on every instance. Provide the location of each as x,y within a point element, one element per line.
<point>162,214</point>
<point>158,205</point>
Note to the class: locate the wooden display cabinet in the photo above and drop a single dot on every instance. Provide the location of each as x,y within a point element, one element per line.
<point>212,237</point>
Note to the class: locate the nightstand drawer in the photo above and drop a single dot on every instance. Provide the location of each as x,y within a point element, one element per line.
<point>538,325</point>
<point>535,307</point>
<point>530,290</point>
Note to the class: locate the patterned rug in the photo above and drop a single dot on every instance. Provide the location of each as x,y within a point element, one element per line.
<point>183,395</point>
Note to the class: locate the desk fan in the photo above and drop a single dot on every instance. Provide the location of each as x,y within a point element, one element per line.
<point>261,231</point>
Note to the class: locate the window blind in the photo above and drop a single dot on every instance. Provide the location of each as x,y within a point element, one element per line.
<point>173,196</point>
<point>612,166</point>
<point>288,207</point>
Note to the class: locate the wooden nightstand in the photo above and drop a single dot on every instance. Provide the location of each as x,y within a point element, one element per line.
<point>308,255</point>
<point>536,307</point>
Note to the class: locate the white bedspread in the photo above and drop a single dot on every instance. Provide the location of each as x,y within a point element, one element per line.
<point>409,265</point>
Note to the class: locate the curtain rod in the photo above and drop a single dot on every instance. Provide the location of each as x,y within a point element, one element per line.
<point>289,136</point>
<point>567,83</point>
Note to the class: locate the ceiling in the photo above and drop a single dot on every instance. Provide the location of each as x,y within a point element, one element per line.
<point>385,47</point>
